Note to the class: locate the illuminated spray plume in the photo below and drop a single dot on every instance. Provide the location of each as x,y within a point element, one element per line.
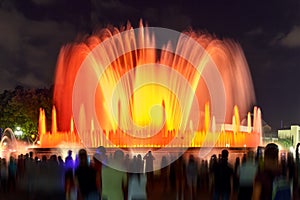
<point>154,87</point>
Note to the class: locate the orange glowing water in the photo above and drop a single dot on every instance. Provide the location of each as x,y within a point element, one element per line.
<point>231,135</point>
<point>226,54</point>
<point>54,138</point>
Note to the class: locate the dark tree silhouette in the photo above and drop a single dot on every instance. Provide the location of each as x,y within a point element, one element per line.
<point>20,108</point>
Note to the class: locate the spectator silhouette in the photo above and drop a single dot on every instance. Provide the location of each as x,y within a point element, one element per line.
<point>246,173</point>
<point>61,162</point>
<point>140,163</point>
<point>4,175</point>
<point>137,186</point>
<point>114,179</point>
<point>212,167</point>
<point>223,175</point>
<point>291,171</point>
<point>69,162</point>
<point>30,174</point>
<point>99,159</point>
<point>235,174</point>
<point>149,158</point>
<point>191,176</point>
<point>12,172</point>
<point>164,173</point>
<point>179,168</point>
<point>203,174</point>
<point>85,177</point>
<point>262,188</point>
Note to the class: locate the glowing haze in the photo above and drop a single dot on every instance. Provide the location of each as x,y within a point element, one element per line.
<point>152,87</point>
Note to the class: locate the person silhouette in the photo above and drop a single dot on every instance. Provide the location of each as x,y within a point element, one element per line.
<point>69,176</point>
<point>149,158</point>
<point>69,162</point>
<point>85,177</point>
<point>191,176</point>
<point>114,178</point>
<point>99,159</point>
<point>223,178</point>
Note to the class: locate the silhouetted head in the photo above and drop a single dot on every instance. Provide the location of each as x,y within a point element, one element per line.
<point>69,153</point>
<point>82,156</point>
<point>225,154</point>
<point>60,159</point>
<point>119,155</point>
<point>271,157</point>
<point>101,150</point>
<point>271,151</point>
<point>192,157</point>
<point>214,157</point>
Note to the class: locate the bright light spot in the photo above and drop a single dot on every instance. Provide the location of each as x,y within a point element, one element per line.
<point>18,131</point>
<point>292,149</point>
<point>279,147</point>
<point>227,145</point>
<point>38,142</point>
<point>32,136</point>
<point>4,143</point>
<point>245,145</point>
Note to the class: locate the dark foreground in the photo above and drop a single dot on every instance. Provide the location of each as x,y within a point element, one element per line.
<point>157,193</point>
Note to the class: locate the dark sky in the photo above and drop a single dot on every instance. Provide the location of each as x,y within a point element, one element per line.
<point>32,32</point>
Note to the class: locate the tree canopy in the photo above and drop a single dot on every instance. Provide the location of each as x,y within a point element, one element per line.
<point>20,108</point>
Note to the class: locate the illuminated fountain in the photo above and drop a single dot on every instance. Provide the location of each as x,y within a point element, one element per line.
<point>230,135</point>
<point>8,140</point>
<point>8,143</point>
<point>129,68</point>
<point>55,138</point>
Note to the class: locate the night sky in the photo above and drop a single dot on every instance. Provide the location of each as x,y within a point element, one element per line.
<point>33,31</point>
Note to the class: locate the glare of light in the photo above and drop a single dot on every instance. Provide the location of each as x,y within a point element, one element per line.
<point>38,142</point>
<point>4,143</point>
<point>245,145</point>
<point>279,147</point>
<point>32,136</point>
<point>227,145</point>
<point>18,131</point>
<point>292,149</point>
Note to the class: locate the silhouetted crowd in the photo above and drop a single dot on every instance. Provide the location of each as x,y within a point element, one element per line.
<point>264,174</point>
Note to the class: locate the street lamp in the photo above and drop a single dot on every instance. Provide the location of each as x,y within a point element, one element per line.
<point>18,131</point>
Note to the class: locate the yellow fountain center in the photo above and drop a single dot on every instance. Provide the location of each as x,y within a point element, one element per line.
<point>150,107</point>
